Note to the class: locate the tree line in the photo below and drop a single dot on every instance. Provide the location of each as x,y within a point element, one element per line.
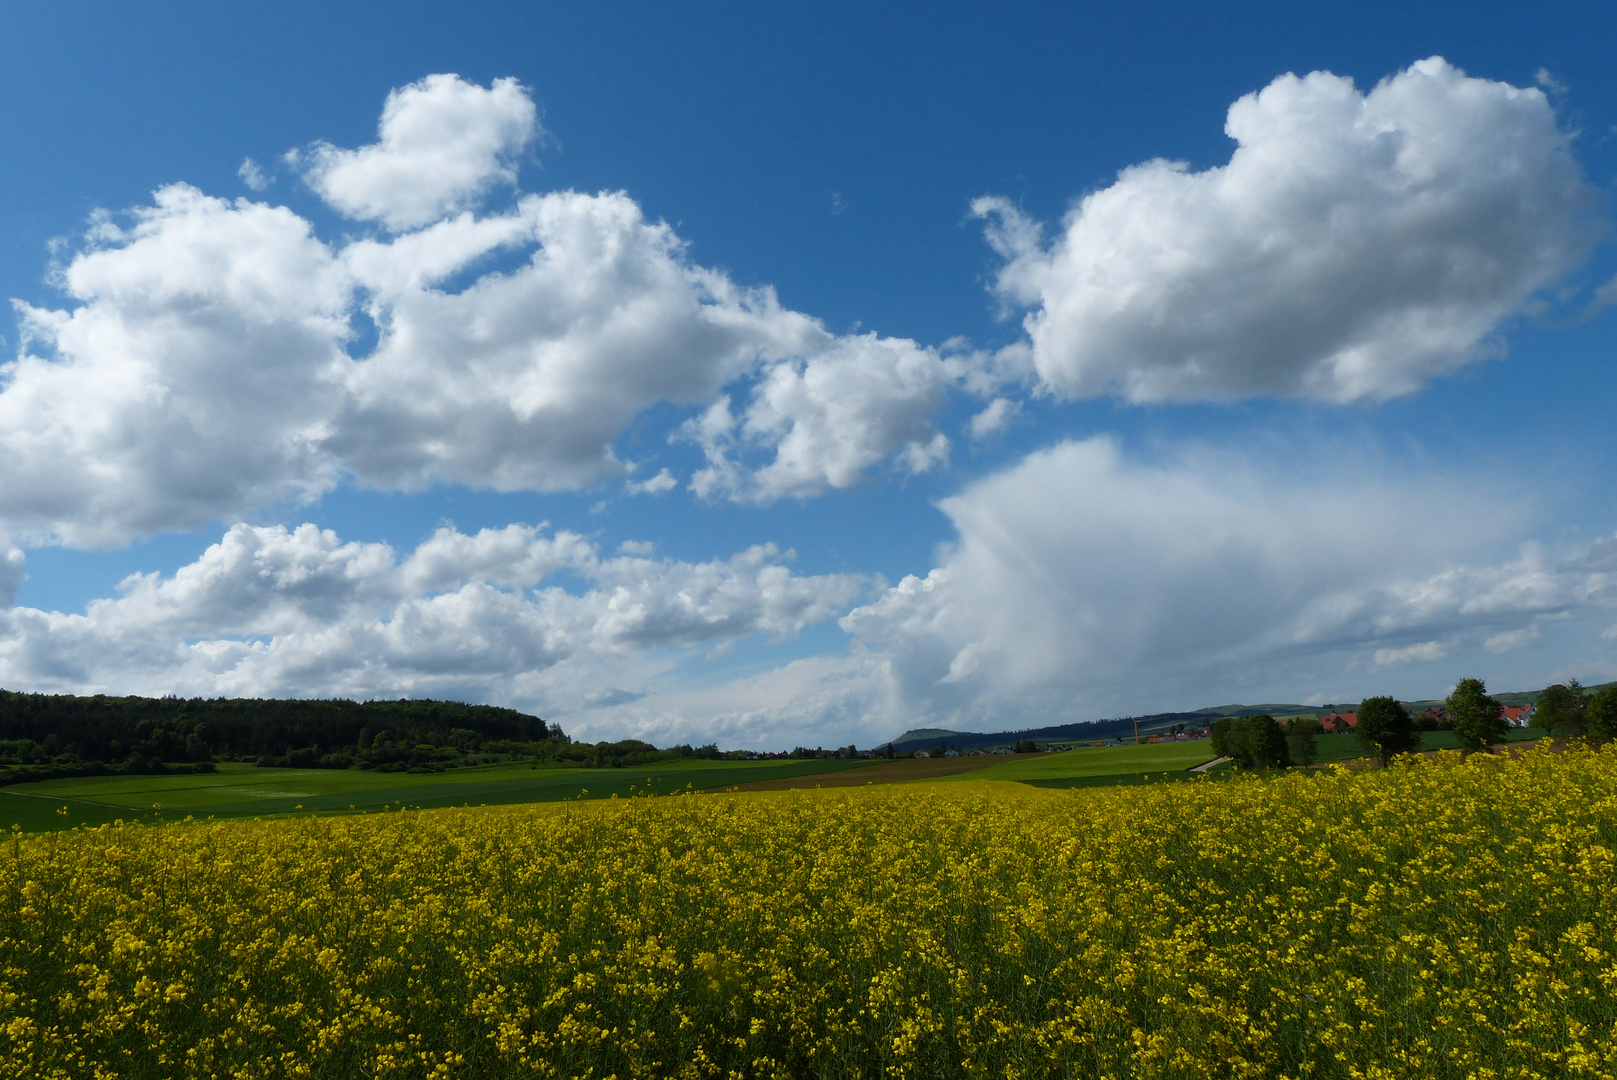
<point>1386,729</point>
<point>64,734</point>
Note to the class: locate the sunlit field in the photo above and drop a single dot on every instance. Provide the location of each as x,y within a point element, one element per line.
<point>1345,746</point>
<point>243,790</point>
<point>1098,761</point>
<point>1445,918</point>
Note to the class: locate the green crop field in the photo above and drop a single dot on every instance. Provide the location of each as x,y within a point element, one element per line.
<point>38,813</point>
<point>1347,747</point>
<point>1082,766</point>
<point>238,790</point>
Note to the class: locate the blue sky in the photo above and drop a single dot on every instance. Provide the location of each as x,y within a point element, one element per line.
<point>779,375</point>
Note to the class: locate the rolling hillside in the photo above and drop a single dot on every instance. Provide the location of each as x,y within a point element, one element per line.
<point>1153,723</point>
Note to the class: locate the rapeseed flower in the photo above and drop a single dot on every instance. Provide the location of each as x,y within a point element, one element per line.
<point>1444,918</point>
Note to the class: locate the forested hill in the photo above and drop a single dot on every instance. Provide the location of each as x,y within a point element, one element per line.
<point>1155,723</point>
<point>59,729</point>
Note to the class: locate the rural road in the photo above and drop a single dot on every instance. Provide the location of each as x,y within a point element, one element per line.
<point>1204,766</point>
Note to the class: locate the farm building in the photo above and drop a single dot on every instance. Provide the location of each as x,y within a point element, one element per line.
<point>1344,721</point>
<point>1518,715</point>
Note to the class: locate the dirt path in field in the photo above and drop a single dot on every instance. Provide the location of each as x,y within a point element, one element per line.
<point>883,772</point>
<point>1558,745</point>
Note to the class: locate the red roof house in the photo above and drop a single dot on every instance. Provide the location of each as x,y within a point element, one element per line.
<point>1518,715</point>
<point>1341,721</point>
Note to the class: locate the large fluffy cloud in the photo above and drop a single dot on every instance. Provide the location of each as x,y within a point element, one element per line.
<point>1354,246</point>
<point>1085,583</point>
<point>210,359</point>
<point>523,379</point>
<point>268,610</point>
<point>196,376</point>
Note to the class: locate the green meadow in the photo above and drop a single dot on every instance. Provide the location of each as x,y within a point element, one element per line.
<point>239,790</point>
<point>1100,766</point>
<point>1088,766</point>
<point>1347,747</point>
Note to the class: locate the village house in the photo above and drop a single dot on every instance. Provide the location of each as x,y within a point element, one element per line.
<point>1518,715</point>
<point>1339,722</point>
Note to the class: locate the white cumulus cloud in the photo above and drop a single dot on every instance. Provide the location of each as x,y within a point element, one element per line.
<point>523,379</point>
<point>276,611</point>
<point>195,377</point>
<point>207,361</point>
<point>252,174</point>
<point>442,144</point>
<point>653,485</point>
<point>1355,245</point>
<point>827,420</point>
<point>1000,414</point>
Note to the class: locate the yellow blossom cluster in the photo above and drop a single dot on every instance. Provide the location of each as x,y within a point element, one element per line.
<point>1443,918</point>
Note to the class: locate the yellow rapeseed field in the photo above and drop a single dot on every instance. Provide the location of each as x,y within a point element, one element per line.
<point>1444,918</point>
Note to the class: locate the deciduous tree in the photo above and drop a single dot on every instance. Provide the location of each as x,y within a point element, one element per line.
<point>1300,739</point>
<point>1561,709</point>
<point>1266,741</point>
<point>1474,715</point>
<point>1253,741</point>
<point>1385,728</point>
<point>1600,715</point>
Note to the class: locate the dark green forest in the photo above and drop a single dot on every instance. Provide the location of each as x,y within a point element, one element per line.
<point>58,734</point>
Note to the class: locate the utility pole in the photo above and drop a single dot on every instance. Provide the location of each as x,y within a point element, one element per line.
<point>1136,731</point>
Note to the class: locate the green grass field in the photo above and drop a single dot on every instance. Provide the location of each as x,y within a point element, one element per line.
<point>39,813</point>
<point>1104,766</point>
<point>238,790</point>
<point>1347,747</point>
<point>1085,766</point>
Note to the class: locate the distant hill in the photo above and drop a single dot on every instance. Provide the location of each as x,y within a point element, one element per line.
<point>1154,723</point>
<point>936,734</point>
<point>928,738</point>
<point>1083,731</point>
<point>1253,710</point>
